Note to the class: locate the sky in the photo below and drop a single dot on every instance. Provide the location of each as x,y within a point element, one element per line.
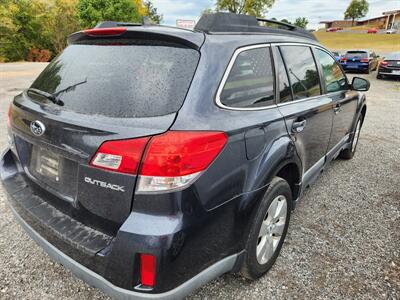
<point>314,10</point>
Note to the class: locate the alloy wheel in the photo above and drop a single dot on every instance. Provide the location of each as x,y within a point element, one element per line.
<point>271,229</point>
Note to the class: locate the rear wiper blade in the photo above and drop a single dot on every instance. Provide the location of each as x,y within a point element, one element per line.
<point>69,88</point>
<point>48,96</point>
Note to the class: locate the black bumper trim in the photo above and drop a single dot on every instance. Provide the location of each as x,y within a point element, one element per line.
<point>94,279</point>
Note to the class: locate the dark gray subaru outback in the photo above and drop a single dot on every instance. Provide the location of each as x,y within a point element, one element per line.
<point>149,160</point>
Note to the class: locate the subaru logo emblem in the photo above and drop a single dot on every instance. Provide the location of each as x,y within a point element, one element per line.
<point>37,128</point>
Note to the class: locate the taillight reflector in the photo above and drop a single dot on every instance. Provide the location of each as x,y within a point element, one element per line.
<point>121,155</point>
<point>384,63</point>
<point>147,270</point>
<point>364,60</point>
<point>105,31</point>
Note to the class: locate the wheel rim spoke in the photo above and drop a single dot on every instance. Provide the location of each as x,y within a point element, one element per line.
<point>273,208</point>
<point>264,229</point>
<point>269,249</point>
<point>281,210</point>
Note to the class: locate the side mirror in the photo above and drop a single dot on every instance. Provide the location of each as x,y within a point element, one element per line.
<point>360,84</point>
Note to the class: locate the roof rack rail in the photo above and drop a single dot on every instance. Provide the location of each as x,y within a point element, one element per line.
<point>235,23</point>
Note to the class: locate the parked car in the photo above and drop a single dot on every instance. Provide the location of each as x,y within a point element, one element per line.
<point>391,31</point>
<point>147,173</point>
<point>372,30</point>
<point>359,60</point>
<point>337,55</point>
<point>389,66</point>
<point>334,29</point>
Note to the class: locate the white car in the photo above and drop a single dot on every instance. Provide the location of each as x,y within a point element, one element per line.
<point>391,31</point>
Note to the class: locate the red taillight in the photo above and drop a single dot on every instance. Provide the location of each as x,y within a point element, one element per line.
<point>171,161</point>
<point>147,270</point>
<point>105,31</point>
<point>384,63</point>
<point>9,115</point>
<point>179,153</point>
<point>120,156</point>
<point>364,60</point>
<point>343,59</point>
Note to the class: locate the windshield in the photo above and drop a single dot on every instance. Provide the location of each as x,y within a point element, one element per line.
<point>120,80</point>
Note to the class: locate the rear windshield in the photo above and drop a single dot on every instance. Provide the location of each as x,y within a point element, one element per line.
<point>356,54</point>
<point>135,80</point>
<point>393,56</point>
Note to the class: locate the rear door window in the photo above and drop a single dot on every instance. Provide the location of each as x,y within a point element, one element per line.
<point>250,82</point>
<point>127,80</point>
<point>335,80</point>
<point>302,71</point>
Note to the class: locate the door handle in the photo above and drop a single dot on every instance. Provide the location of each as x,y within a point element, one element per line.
<point>337,108</point>
<point>299,126</point>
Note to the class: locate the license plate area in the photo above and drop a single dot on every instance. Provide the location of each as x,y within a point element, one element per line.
<point>47,164</point>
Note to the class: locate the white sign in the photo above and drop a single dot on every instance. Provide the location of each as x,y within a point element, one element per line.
<point>186,24</point>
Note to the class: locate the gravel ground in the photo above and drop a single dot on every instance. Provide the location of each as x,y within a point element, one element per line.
<point>344,237</point>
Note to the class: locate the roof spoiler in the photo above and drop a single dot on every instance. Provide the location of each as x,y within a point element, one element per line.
<point>236,23</point>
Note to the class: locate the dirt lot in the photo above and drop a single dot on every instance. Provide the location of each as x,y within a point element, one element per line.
<point>343,241</point>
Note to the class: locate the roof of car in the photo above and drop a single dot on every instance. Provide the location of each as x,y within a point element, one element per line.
<point>217,25</point>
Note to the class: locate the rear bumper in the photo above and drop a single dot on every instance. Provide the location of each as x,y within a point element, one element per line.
<point>355,67</point>
<point>94,279</point>
<point>111,265</point>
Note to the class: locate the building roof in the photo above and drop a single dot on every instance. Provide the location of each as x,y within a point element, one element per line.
<point>391,12</point>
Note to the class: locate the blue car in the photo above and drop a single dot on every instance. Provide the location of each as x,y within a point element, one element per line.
<point>359,60</point>
<point>337,56</point>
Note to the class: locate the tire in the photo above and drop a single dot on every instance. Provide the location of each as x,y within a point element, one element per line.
<point>265,230</point>
<point>379,76</point>
<point>349,153</point>
<point>368,71</point>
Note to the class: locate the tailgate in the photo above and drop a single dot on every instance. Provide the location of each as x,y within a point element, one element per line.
<point>58,160</point>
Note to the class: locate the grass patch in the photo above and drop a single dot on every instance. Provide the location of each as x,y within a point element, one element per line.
<point>348,40</point>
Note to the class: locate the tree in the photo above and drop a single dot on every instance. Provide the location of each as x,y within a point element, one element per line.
<point>249,7</point>
<point>301,22</point>
<point>357,9</point>
<point>63,22</point>
<point>24,26</point>
<point>91,12</point>
<point>152,13</point>
<point>285,21</point>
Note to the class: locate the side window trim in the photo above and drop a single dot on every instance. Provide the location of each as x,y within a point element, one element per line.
<point>322,78</point>
<point>228,71</point>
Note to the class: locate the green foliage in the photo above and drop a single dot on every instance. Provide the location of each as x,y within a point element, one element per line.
<point>301,22</point>
<point>91,12</point>
<point>249,7</point>
<point>29,26</point>
<point>285,21</point>
<point>357,9</point>
<point>152,13</point>
<point>24,26</point>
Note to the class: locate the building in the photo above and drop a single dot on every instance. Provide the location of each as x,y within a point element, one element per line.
<point>389,19</point>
